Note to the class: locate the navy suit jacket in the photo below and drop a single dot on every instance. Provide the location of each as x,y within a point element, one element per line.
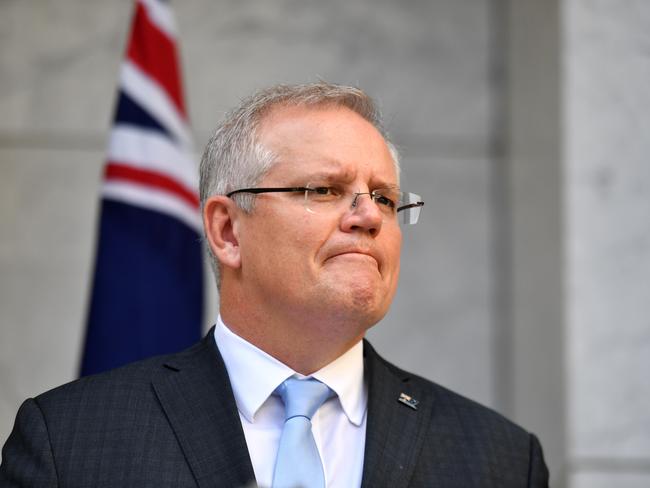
<point>171,421</point>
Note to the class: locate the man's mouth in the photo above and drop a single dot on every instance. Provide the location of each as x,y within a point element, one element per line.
<point>356,254</point>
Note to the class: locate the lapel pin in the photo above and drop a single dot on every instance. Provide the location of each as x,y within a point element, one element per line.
<point>409,401</point>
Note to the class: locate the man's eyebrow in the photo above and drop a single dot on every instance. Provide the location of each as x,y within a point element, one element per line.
<point>332,175</point>
<point>384,185</point>
<point>331,171</point>
<point>335,171</point>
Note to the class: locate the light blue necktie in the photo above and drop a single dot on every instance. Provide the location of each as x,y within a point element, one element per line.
<point>298,463</point>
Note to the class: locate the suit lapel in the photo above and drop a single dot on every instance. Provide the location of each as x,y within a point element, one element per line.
<point>195,393</point>
<point>394,429</point>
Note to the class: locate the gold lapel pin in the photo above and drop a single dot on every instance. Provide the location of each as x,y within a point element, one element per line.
<point>409,401</point>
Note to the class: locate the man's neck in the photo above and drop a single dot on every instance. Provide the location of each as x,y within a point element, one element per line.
<point>304,346</point>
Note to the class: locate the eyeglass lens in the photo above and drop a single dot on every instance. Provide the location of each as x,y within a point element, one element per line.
<point>393,204</point>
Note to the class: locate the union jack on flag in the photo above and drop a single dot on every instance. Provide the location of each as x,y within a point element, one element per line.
<point>147,295</point>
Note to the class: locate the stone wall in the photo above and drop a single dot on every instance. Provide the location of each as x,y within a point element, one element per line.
<point>579,202</point>
<point>607,191</point>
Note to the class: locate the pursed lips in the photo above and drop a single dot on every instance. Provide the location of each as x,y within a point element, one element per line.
<point>355,252</point>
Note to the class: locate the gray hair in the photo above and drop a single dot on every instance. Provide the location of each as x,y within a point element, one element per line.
<point>234,158</point>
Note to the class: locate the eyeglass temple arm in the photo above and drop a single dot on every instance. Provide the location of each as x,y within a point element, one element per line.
<point>267,190</point>
<point>410,205</point>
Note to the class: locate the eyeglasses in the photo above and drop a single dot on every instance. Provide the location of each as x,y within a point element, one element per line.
<point>393,203</point>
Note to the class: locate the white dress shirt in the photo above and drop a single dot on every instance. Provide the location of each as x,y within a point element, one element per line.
<point>339,425</point>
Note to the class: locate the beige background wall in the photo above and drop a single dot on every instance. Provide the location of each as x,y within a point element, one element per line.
<point>522,123</point>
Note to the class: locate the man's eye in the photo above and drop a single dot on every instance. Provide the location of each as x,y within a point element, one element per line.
<point>326,191</point>
<point>383,200</point>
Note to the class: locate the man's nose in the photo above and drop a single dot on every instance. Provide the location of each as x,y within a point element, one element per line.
<point>363,214</point>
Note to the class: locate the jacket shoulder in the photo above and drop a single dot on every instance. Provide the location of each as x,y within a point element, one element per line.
<point>462,443</point>
<point>107,429</point>
<point>123,382</point>
<point>446,401</point>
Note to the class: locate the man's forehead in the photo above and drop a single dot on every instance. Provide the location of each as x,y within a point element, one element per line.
<point>308,118</point>
<point>332,141</point>
<point>333,128</point>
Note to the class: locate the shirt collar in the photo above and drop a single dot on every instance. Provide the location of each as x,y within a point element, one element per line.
<point>344,375</point>
<point>244,362</point>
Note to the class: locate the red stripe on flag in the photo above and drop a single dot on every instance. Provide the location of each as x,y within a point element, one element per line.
<point>117,171</point>
<point>155,53</point>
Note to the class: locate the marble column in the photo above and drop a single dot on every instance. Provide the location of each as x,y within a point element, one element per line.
<point>579,73</point>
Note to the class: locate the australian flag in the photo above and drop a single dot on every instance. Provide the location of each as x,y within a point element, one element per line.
<point>147,295</point>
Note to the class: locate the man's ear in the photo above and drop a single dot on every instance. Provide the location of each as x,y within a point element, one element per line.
<point>220,222</point>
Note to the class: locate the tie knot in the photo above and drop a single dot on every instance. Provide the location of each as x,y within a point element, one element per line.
<point>303,397</point>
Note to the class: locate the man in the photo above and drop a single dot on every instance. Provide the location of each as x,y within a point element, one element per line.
<point>301,207</point>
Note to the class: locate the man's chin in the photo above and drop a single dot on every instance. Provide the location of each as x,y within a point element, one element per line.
<point>361,301</point>
<point>353,272</point>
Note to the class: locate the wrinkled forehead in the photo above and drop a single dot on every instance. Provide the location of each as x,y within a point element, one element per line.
<point>330,139</point>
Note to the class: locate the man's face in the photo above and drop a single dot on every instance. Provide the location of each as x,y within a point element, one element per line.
<point>324,268</point>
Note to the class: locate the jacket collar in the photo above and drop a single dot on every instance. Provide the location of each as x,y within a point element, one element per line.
<point>394,430</point>
<point>195,393</point>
